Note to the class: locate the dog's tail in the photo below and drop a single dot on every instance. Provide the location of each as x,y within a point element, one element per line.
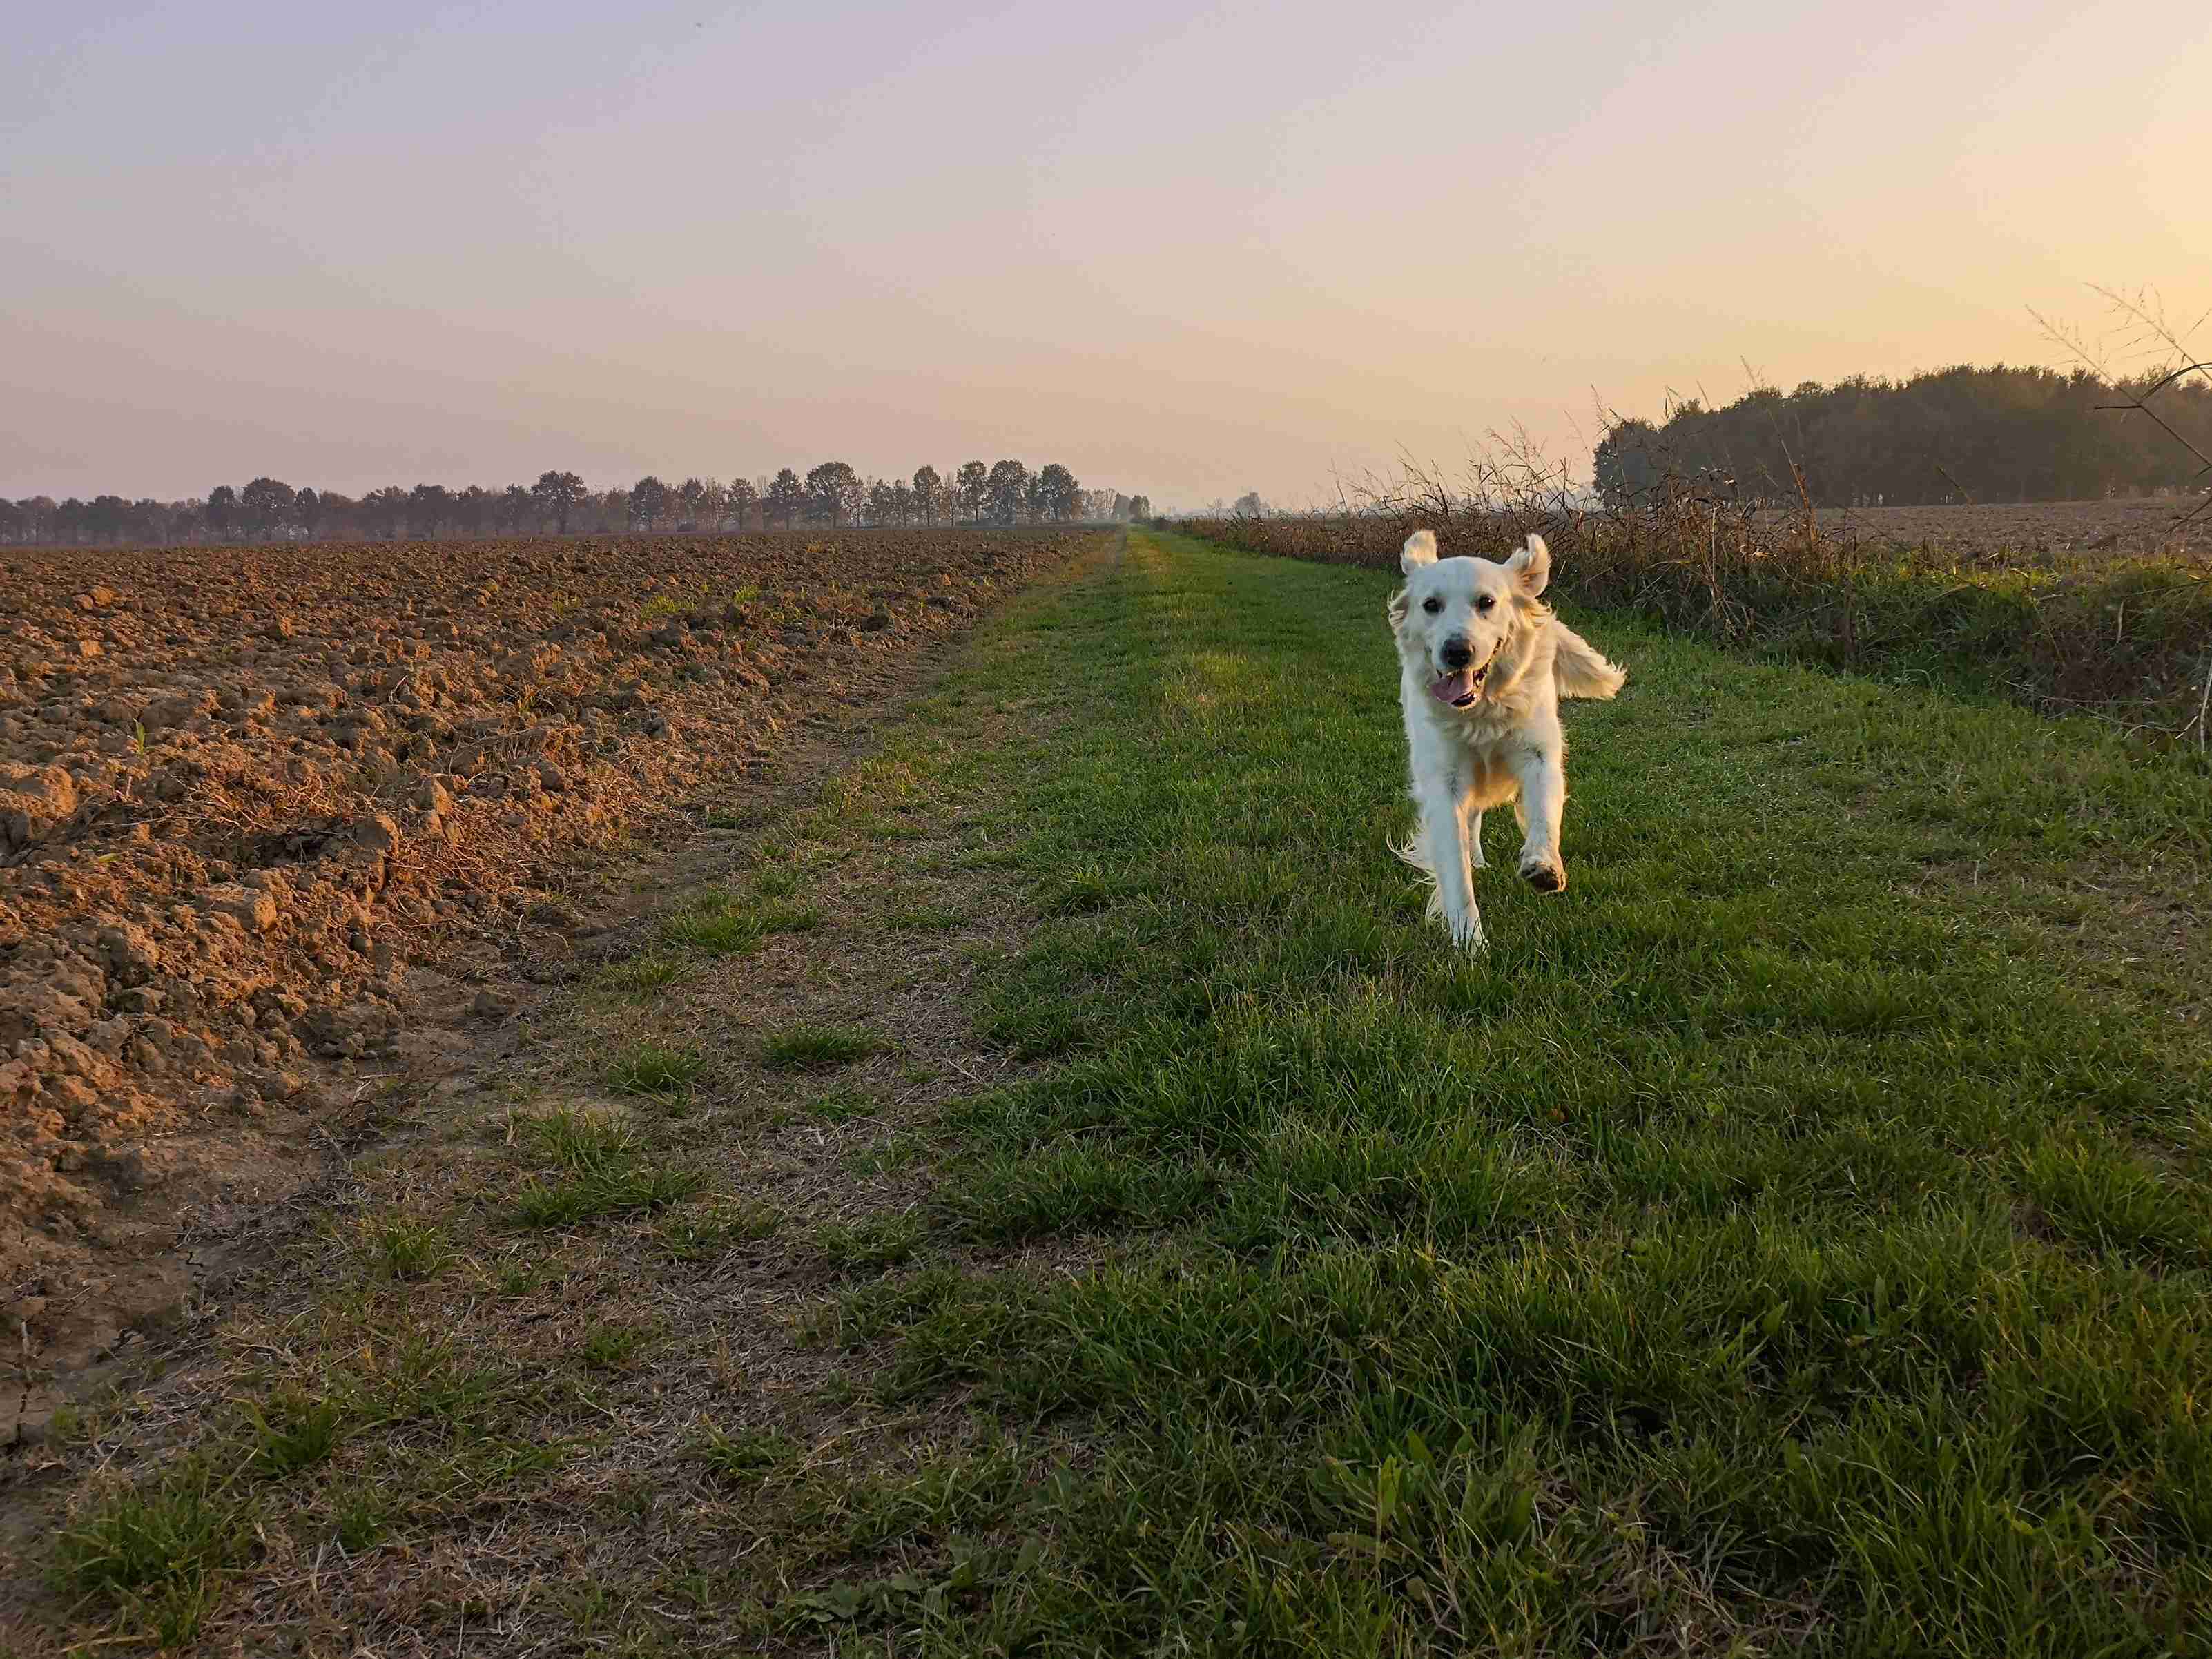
<point>1580,669</point>
<point>1411,851</point>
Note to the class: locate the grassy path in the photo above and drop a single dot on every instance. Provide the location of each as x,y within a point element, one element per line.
<point>1155,1239</point>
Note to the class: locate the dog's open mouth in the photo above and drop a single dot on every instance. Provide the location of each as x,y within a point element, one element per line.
<point>1462,686</point>
<point>1459,688</point>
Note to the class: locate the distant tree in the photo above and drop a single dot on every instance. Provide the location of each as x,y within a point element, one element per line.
<point>557,494</point>
<point>1626,462</point>
<point>385,510</point>
<point>14,522</point>
<point>471,509</point>
<point>648,501</point>
<point>428,506</point>
<point>742,499</point>
<point>690,495</point>
<point>882,503</point>
<point>107,518</point>
<point>929,494</point>
<point>308,511</point>
<point>784,497</point>
<point>34,514</point>
<point>1058,494</point>
<point>1007,493</point>
<point>834,493</point>
<point>264,507</point>
<point>221,513</point>
<point>1250,506</point>
<point>903,511</point>
<point>1140,507</point>
<point>713,503</point>
<point>515,505</point>
<point>971,490</point>
<point>1994,433</point>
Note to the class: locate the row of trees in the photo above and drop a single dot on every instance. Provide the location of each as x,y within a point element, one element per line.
<point>1999,433</point>
<point>1007,492</point>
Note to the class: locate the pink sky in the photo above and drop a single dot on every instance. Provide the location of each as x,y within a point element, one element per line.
<point>1191,253</point>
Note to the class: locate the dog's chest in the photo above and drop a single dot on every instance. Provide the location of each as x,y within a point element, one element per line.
<point>1486,733</point>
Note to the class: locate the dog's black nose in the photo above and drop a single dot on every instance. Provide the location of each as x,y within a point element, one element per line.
<point>1457,654</point>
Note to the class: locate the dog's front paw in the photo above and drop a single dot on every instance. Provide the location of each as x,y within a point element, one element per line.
<point>1545,874</point>
<point>1468,935</point>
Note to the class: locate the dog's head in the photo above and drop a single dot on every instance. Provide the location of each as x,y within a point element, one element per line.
<point>1456,617</point>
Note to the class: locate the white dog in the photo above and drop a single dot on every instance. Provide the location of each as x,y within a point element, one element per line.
<point>1483,665</point>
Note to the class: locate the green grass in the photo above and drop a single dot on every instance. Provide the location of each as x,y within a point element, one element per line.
<point>746,1456</point>
<point>813,1048</point>
<point>612,1347</point>
<point>842,1104</point>
<point>1794,1237</point>
<point>653,1068</point>
<point>641,978</point>
<point>1791,1237</point>
<point>599,1169</point>
<point>398,1248</point>
<point>158,1550</point>
<point>868,1246</point>
<point>721,923</point>
<point>292,1431</point>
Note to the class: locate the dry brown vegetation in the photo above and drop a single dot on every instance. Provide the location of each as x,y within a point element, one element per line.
<point>241,788</point>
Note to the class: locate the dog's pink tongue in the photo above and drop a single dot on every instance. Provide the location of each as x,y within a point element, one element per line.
<point>1452,687</point>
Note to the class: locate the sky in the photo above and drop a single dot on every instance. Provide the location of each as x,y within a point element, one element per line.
<point>1186,250</point>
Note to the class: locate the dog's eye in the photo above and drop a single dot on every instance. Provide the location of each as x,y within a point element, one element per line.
<point>1432,605</point>
<point>1485,602</point>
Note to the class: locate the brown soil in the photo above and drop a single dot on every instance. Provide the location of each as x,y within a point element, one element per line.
<point>243,790</point>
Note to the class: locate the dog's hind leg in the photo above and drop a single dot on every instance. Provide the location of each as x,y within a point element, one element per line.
<point>1474,839</point>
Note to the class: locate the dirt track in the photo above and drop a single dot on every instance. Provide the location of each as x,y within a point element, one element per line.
<point>241,789</point>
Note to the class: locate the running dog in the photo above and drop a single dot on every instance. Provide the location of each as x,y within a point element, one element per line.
<point>1483,664</point>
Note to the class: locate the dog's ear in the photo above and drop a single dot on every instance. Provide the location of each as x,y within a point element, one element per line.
<point>1420,548</point>
<point>1531,566</point>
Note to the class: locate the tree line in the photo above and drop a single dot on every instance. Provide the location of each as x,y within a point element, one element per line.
<point>560,503</point>
<point>1998,434</point>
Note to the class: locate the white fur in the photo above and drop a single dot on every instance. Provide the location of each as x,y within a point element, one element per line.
<point>1507,745</point>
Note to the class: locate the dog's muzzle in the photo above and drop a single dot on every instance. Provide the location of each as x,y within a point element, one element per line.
<point>1460,684</point>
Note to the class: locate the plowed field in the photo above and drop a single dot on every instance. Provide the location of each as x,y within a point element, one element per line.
<point>240,789</point>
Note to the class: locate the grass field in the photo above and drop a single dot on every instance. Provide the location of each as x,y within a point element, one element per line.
<point>1792,1238</point>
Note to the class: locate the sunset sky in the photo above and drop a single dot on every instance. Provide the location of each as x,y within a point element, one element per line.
<point>1186,251</point>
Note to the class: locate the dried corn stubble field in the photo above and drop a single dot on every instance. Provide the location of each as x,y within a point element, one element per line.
<point>2032,529</point>
<point>241,789</point>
